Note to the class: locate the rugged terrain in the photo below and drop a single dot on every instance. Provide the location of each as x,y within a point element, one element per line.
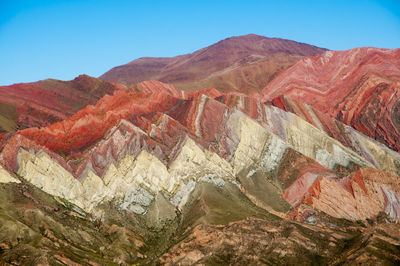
<point>244,63</point>
<point>152,174</point>
<point>160,163</point>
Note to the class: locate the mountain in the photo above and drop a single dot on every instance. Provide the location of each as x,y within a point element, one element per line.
<point>157,175</point>
<point>359,87</point>
<point>244,63</point>
<point>305,171</point>
<point>45,102</point>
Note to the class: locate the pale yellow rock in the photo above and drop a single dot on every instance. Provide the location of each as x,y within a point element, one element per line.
<point>330,150</point>
<point>48,175</point>
<point>94,191</point>
<point>5,177</point>
<point>311,141</point>
<point>192,161</point>
<point>252,138</point>
<point>386,159</point>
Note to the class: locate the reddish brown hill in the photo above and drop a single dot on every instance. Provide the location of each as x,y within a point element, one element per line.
<point>246,63</point>
<point>45,102</point>
<point>359,87</point>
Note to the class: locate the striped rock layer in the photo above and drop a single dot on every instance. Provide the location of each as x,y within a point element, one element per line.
<point>359,87</point>
<point>158,145</point>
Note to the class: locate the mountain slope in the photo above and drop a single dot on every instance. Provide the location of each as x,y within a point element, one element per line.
<point>359,87</point>
<point>45,102</point>
<point>244,63</point>
<point>161,173</point>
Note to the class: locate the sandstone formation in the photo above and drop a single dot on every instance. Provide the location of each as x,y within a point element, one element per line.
<point>244,63</point>
<point>359,87</point>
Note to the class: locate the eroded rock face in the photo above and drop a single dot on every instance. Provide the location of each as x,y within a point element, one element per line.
<point>160,161</point>
<point>358,196</point>
<point>359,87</point>
<point>163,140</point>
<point>137,153</point>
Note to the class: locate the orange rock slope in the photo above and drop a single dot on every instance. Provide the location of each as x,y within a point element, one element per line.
<point>359,87</point>
<point>359,196</point>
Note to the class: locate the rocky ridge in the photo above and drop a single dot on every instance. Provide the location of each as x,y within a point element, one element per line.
<point>165,141</point>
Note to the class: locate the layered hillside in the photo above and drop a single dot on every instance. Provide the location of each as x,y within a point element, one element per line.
<point>158,175</point>
<point>359,87</point>
<point>366,147</point>
<point>245,63</point>
<point>48,101</point>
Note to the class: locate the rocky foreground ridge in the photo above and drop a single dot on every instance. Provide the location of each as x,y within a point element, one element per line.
<point>158,175</point>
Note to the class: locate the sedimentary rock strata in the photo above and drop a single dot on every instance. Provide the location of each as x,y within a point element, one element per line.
<point>132,146</point>
<point>359,87</point>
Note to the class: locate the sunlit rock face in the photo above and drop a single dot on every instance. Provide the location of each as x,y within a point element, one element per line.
<point>132,146</point>
<point>359,87</point>
<point>152,164</point>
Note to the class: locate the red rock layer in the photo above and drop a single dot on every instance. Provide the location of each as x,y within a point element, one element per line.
<point>158,120</point>
<point>359,87</point>
<point>45,102</point>
<point>91,123</point>
<point>196,112</point>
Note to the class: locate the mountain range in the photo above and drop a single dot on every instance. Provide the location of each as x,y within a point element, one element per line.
<point>253,150</point>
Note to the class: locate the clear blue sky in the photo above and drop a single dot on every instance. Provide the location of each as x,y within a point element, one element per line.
<point>62,39</point>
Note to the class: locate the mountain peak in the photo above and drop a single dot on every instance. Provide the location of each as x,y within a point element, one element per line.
<point>245,63</point>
